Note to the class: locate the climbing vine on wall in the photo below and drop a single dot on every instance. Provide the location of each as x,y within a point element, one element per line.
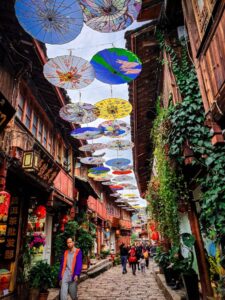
<point>187,126</point>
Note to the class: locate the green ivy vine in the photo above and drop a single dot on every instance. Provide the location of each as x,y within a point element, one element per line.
<point>187,125</point>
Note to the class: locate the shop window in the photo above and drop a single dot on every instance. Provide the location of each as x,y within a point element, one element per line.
<point>34,126</point>
<point>20,108</point>
<point>28,116</point>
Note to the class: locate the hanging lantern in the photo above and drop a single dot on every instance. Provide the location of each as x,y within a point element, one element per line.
<point>155,236</point>
<point>64,220</point>
<point>4,205</point>
<point>40,212</point>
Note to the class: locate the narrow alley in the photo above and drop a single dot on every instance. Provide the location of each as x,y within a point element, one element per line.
<point>113,285</point>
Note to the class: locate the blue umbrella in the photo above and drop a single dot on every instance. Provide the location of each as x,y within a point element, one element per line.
<point>86,133</point>
<point>99,170</point>
<point>118,162</point>
<point>116,65</point>
<point>52,22</point>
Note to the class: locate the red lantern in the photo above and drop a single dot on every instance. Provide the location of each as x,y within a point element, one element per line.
<point>64,220</point>
<point>155,236</point>
<point>4,205</point>
<point>40,212</point>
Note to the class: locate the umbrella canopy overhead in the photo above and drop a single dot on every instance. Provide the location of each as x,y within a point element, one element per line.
<point>110,15</point>
<point>99,170</point>
<point>122,178</point>
<point>102,178</point>
<point>118,162</point>
<point>123,168</point>
<point>122,172</point>
<point>92,147</point>
<point>92,160</point>
<point>52,22</point>
<point>86,133</point>
<point>79,113</point>
<point>113,108</point>
<point>69,72</point>
<point>120,145</point>
<point>116,65</point>
<point>114,128</point>
<point>115,195</point>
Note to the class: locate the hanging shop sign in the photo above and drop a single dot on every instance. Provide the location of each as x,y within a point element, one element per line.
<point>6,112</point>
<point>12,230</point>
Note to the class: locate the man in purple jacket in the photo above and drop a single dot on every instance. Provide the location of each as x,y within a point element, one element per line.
<point>70,270</point>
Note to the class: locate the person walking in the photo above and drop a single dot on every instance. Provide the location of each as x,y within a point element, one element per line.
<point>142,263</point>
<point>70,269</point>
<point>139,249</point>
<point>133,259</point>
<point>146,257</point>
<point>124,255</point>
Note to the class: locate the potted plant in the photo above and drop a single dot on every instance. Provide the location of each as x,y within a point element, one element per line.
<point>40,279</point>
<point>85,242</point>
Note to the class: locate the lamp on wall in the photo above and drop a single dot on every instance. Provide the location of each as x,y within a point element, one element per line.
<point>30,161</point>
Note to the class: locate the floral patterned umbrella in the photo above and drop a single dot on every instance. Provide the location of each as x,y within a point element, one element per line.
<point>123,168</point>
<point>122,178</point>
<point>86,133</point>
<point>118,162</point>
<point>102,178</point>
<point>107,183</point>
<point>52,22</point>
<point>120,145</point>
<point>79,113</point>
<point>129,195</point>
<point>129,186</point>
<point>115,195</point>
<point>110,15</point>
<point>116,66</point>
<point>116,187</point>
<point>114,128</point>
<point>69,72</point>
<point>92,147</point>
<point>92,160</point>
<point>113,108</point>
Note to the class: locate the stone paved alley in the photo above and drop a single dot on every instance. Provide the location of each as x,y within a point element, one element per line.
<point>113,285</point>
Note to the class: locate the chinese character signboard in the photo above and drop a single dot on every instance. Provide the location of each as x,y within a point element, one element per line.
<point>6,112</point>
<point>12,230</point>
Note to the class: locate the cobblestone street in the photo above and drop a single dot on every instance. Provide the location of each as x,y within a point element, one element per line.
<point>113,285</point>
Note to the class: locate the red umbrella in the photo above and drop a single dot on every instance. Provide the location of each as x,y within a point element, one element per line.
<point>122,172</point>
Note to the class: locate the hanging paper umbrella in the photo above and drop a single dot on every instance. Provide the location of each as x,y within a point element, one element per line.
<point>110,15</point>
<point>69,72</point>
<point>129,186</point>
<point>125,172</point>
<point>120,145</point>
<point>118,162</point>
<point>102,178</point>
<point>116,65</point>
<point>86,133</point>
<point>115,195</point>
<point>99,170</point>
<point>116,187</point>
<point>113,108</point>
<point>130,195</point>
<point>92,147</point>
<point>92,160</point>
<point>122,178</point>
<point>80,113</point>
<point>115,128</point>
<point>122,168</point>
<point>52,22</point>
<point>107,183</point>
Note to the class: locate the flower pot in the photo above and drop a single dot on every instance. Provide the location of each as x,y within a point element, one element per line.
<point>190,282</point>
<point>43,296</point>
<point>33,294</point>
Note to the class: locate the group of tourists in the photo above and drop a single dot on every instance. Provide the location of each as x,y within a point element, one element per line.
<point>136,255</point>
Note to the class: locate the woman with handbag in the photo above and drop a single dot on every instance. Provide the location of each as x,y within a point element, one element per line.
<point>133,259</point>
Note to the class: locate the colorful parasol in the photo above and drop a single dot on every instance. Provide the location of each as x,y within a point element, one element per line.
<point>99,170</point>
<point>122,178</point>
<point>120,145</point>
<point>86,133</point>
<point>107,183</point>
<point>52,22</point>
<point>113,108</point>
<point>114,128</point>
<point>116,187</point>
<point>92,160</point>
<point>116,65</point>
<point>80,113</point>
<point>118,162</point>
<point>122,172</point>
<point>69,72</point>
<point>115,195</point>
<point>122,168</point>
<point>110,15</point>
<point>129,186</point>
<point>130,195</point>
<point>102,178</point>
<point>92,147</point>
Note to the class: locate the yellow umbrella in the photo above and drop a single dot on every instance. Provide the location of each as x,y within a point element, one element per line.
<point>137,206</point>
<point>129,195</point>
<point>113,108</point>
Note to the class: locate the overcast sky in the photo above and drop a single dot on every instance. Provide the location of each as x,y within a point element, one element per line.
<point>86,45</point>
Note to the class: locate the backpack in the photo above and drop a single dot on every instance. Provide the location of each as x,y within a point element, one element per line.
<point>145,254</point>
<point>132,258</point>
